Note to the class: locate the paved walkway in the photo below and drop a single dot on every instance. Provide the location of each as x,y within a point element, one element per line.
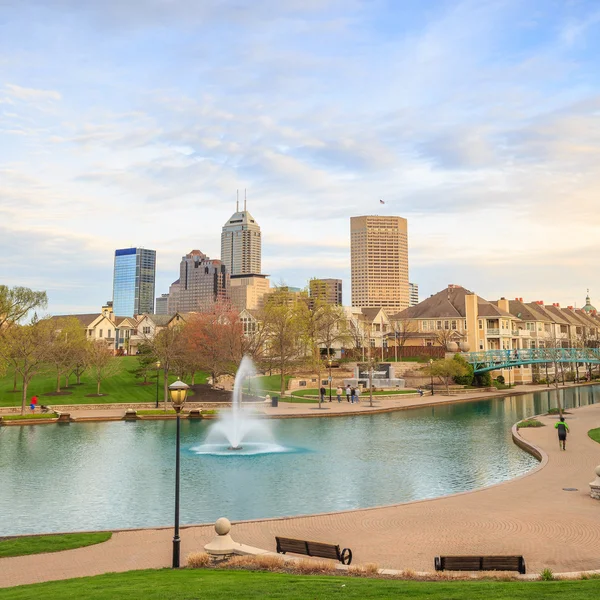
<point>530,515</point>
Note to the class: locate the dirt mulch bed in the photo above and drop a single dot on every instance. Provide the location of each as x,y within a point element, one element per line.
<point>205,393</point>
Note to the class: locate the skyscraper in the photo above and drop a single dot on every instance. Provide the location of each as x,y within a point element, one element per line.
<point>133,281</point>
<point>379,262</point>
<point>201,282</point>
<point>241,243</point>
<point>327,290</point>
<point>413,289</point>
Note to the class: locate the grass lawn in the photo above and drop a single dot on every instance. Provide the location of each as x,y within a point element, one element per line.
<point>29,416</point>
<point>595,434</point>
<point>227,585</point>
<point>122,387</point>
<point>270,383</point>
<point>37,544</point>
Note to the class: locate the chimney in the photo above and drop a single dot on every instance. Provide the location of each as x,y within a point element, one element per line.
<point>570,307</point>
<point>520,299</point>
<point>540,302</point>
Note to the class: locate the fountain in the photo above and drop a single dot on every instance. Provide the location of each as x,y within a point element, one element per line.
<point>238,430</point>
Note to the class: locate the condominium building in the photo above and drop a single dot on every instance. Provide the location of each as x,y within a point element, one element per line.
<point>326,290</point>
<point>413,294</point>
<point>201,282</point>
<point>162,304</point>
<point>379,262</point>
<point>241,243</point>
<point>133,281</point>
<point>247,292</point>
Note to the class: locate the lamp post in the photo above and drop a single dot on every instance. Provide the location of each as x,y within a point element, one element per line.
<point>431,373</point>
<point>177,392</point>
<point>329,364</point>
<point>396,346</point>
<point>157,378</point>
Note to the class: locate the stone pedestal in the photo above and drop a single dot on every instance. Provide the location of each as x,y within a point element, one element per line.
<point>131,415</point>
<point>222,545</point>
<point>595,485</point>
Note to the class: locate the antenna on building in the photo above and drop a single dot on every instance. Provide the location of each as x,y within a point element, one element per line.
<point>237,201</point>
<point>244,199</point>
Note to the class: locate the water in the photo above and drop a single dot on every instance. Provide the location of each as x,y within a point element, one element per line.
<point>119,475</point>
<point>238,430</point>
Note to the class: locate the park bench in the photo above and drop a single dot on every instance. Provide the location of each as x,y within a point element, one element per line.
<point>480,563</point>
<point>316,549</point>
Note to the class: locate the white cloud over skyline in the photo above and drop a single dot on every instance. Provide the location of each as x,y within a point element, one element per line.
<point>133,124</point>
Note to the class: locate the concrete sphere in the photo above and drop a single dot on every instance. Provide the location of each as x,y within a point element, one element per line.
<point>222,526</point>
<point>464,346</point>
<point>452,347</point>
<point>598,471</point>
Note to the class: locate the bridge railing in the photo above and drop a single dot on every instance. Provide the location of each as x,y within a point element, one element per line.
<point>533,355</point>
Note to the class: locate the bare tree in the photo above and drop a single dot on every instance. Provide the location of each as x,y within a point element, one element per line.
<point>444,336</point>
<point>63,352</point>
<point>402,328</point>
<point>102,363</point>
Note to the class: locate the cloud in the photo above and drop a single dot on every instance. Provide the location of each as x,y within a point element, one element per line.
<point>476,120</point>
<point>31,94</point>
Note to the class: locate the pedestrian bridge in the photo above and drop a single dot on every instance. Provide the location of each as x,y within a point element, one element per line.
<point>490,360</point>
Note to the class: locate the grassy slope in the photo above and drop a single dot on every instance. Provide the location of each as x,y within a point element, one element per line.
<point>122,387</point>
<point>595,434</point>
<point>227,585</point>
<point>37,544</point>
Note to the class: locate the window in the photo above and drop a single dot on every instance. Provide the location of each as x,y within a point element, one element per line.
<point>424,325</point>
<point>453,325</point>
<point>446,325</point>
<point>146,330</point>
<point>480,324</point>
<point>101,333</point>
<point>439,325</point>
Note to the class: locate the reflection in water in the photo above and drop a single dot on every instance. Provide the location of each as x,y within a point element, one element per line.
<point>112,475</point>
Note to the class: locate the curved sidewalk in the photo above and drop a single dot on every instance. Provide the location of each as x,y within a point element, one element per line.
<point>530,515</point>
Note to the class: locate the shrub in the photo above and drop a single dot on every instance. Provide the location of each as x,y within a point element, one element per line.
<point>529,423</point>
<point>500,379</point>
<point>198,560</point>
<point>467,378</point>
<point>547,575</point>
<point>483,379</point>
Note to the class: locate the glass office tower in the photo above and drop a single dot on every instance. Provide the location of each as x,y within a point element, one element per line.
<point>133,281</point>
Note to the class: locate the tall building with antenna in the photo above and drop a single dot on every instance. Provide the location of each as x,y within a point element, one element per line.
<point>241,243</point>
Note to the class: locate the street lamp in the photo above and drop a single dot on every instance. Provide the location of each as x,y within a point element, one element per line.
<point>329,363</point>
<point>431,373</point>
<point>177,391</point>
<point>157,378</point>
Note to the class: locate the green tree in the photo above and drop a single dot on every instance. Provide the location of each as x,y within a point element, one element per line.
<point>16,302</point>
<point>146,362</point>
<point>63,352</point>
<point>102,362</point>
<point>25,348</point>
<point>447,369</point>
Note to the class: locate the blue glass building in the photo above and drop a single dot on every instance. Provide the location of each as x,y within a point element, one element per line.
<point>133,281</point>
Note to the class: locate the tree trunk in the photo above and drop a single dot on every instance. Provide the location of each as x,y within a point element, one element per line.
<point>194,378</point>
<point>78,374</point>
<point>67,377</point>
<point>448,386</point>
<point>166,386</point>
<point>98,388</point>
<point>58,382</point>
<point>15,382</point>
<point>24,397</point>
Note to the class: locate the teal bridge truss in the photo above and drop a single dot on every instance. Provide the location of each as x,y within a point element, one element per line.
<point>491,360</point>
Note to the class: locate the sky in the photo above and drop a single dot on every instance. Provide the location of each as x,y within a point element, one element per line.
<point>134,123</point>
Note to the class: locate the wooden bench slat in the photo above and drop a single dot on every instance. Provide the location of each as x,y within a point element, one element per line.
<point>480,563</point>
<point>308,548</point>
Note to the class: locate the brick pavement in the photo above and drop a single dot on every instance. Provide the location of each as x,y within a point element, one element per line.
<point>530,515</point>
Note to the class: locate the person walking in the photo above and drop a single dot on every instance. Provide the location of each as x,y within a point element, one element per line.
<point>563,429</point>
<point>33,404</point>
<point>357,394</point>
<point>348,392</point>
<point>322,392</point>
<point>338,393</point>
<point>352,395</point>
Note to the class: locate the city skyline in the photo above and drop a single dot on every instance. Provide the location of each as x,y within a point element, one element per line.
<point>133,125</point>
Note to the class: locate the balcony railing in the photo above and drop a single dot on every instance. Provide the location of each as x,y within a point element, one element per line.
<point>492,331</point>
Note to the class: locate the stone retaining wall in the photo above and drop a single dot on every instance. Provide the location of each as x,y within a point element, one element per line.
<point>118,406</point>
